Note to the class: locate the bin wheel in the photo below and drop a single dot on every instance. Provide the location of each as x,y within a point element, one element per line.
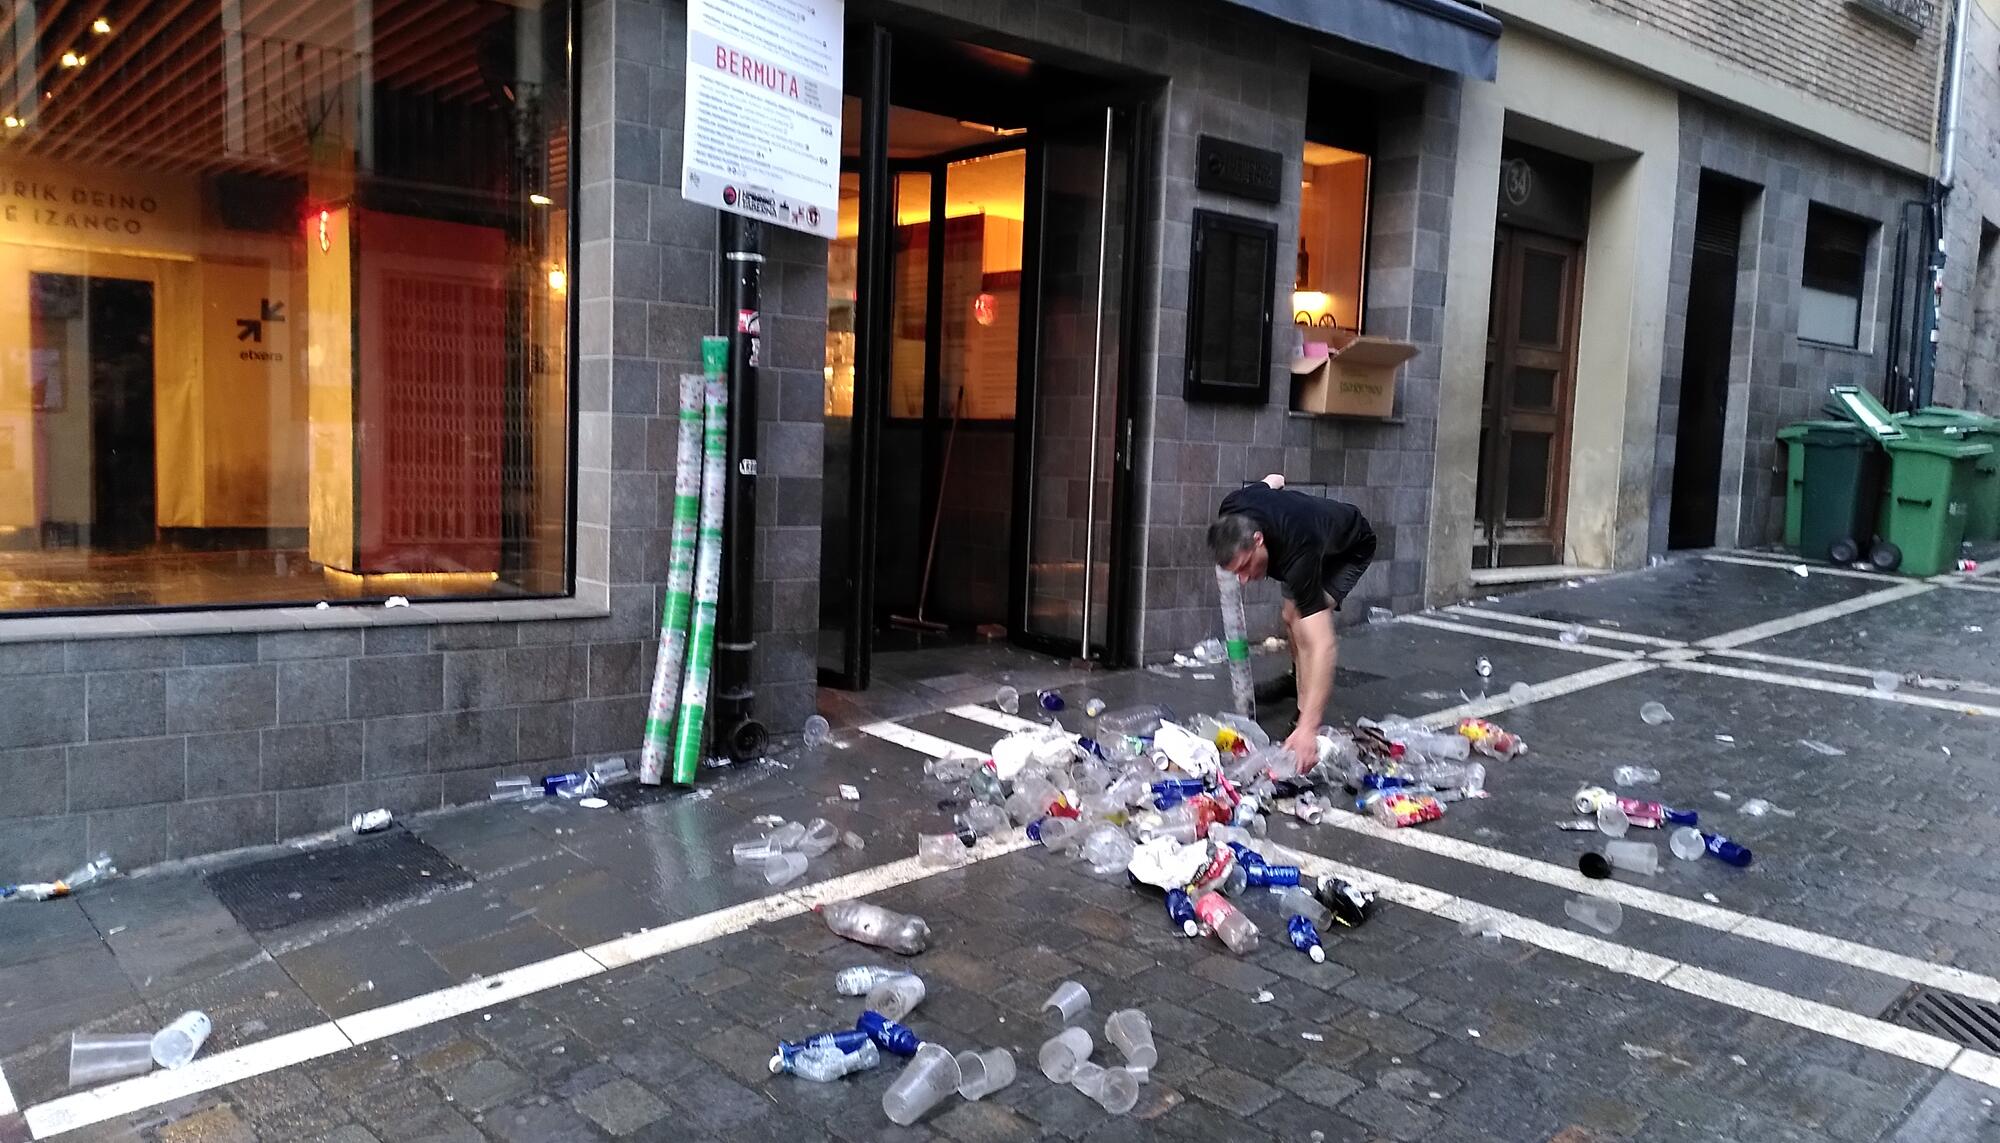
<point>748,740</point>
<point>1844,551</point>
<point>1885,556</point>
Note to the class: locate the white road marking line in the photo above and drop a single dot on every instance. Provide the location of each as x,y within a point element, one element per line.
<point>1977,1067</point>
<point>1807,1015</point>
<point>1815,615</point>
<point>1789,661</point>
<point>1960,583</point>
<point>917,740</point>
<point>1537,692</point>
<point>1867,692</point>
<point>997,719</point>
<point>1835,949</point>
<point>632,948</point>
<point>7,1104</point>
<point>1555,625</point>
<point>205,1074</point>
<point>1514,637</point>
<point>471,996</point>
<point>1812,569</point>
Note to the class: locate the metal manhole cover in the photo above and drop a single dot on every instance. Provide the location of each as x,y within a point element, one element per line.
<point>312,887</point>
<point>1973,1023</point>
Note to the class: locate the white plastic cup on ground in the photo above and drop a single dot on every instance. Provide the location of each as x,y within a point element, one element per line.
<point>100,1058</point>
<point>1653,714</point>
<point>816,730</point>
<point>1008,700</point>
<point>980,1074</point>
<point>1062,1052</point>
<point>1595,912</point>
<point>820,837</point>
<point>1641,857</point>
<point>1612,821</point>
<point>752,852</point>
<point>1687,844</point>
<point>940,849</point>
<point>1117,1090</point>
<point>179,1042</point>
<point>783,868</point>
<point>1131,1033</point>
<point>897,996</point>
<point>930,1075</point>
<point>1070,999</point>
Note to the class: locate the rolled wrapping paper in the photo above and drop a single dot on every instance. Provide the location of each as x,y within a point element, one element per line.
<point>690,735</point>
<point>679,609</point>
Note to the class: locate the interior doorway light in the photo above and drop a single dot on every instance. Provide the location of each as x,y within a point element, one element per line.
<point>541,200</point>
<point>100,26</point>
<point>997,132</point>
<point>73,60</point>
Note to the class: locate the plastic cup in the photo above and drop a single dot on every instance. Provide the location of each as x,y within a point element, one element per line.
<point>1117,1090</point>
<point>816,730</point>
<point>1063,1052</point>
<point>178,1042</point>
<point>1596,912</point>
<point>980,1074</point>
<point>930,1075</point>
<point>787,836</point>
<point>1611,820</point>
<point>1131,1033</point>
<point>1070,998</point>
<point>1088,1078</point>
<point>820,837</point>
<point>897,996</point>
<point>1653,714</point>
<point>752,852</point>
<point>780,868</point>
<point>940,849</point>
<point>1687,844</point>
<point>1060,833</point>
<point>1641,857</point>
<point>95,1059</point>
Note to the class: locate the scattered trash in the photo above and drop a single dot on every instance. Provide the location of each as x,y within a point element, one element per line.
<point>1062,1052</point>
<point>518,789</point>
<point>1131,1032</point>
<point>1483,927</point>
<point>1886,682</point>
<point>371,821</point>
<point>1684,843</point>
<point>1116,1090</point>
<point>1381,615</point>
<point>849,793</point>
<point>1973,629</point>
<point>1801,570</point>
<point>853,841</point>
<point>177,1044</point>
<point>1641,857</point>
<point>1091,708</point>
<point>322,605</point>
<point>1070,1000</point>
<point>396,601</point>
<point>896,997</point>
<point>1315,1037</point>
<point>593,803</point>
<point>1642,1053</point>
<point>1654,714</point>
<point>82,877</point>
<point>1593,866</point>
<point>1574,633</point>
<point>929,1077</point>
<point>99,1058</point>
<point>1484,666</point>
<point>1596,913</point>
<point>1579,825</point>
<point>1726,739</point>
<point>1711,898</point>
<point>1755,808</point>
<point>940,850</point>
<point>980,1074</point>
<point>815,732</point>
<point>873,925</point>
<point>1008,700</point>
<point>1050,700</point>
<point>1520,693</point>
<point>1635,775</point>
<point>1263,996</point>
<point>1273,643</point>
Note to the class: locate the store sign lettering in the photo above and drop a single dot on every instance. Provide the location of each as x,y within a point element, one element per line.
<point>77,208</point>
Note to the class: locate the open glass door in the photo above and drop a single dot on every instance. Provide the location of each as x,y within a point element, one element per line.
<point>1071,392</point>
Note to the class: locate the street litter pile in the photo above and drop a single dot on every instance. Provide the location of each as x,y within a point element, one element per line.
<point>101,1057</point>
<point>584,786</point>
<point>82,877</point>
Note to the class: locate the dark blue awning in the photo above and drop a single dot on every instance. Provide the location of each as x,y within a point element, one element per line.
<point>1441,33</point>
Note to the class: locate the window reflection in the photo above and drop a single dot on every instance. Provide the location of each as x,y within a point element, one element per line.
<point>283,310</point>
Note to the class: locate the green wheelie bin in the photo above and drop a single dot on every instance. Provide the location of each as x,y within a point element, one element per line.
<point>1839,491</point>
<point>1793,437</point>
<point>1930,479</point>
<point>1982,497</point>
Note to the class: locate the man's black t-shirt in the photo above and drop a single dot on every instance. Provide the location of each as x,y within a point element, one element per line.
<point>1303,534</point>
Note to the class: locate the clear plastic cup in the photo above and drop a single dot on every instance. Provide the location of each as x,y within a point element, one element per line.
<point>783,868</point>
<point>1070,999</point>
<point>1008,700</point>
<point>787,836</point>
<point>1117,1090</point>
<point>514,790</point>
<point>816,730</point>
<point>1641,857</point>
<point>178,1042</point>
<point>1611,820</point>
<point>980,1074</point>
<point>1131,1033</point>
<point>1653,714</point>
<point>930,1075</point>
<point>1596,912</point>
<point>1063,1052</point>
<point>1687,844</point>
<point>821,835</point>
<point>752,852</point>
<point>1060,833</point>
<point>940,849</point>
<point>897,996</point>
<point>98,1058</point>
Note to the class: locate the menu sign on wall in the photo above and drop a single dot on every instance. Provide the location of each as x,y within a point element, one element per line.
<point>762,135</point>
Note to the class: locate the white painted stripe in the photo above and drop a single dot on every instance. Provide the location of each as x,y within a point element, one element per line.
<point>1555,625</point>
<point>641,946</point>
<point>917,740</point>
<point>420,1011</point>
<point>1537,692</point>
<point>1977,1067</point>
<point>1963,584</point>
<point>1815,615</point>
<point>1789,661</point>
<point>7,1104</point>
<point>1869,692</point>
<point>997,719</point>
<point>1516,637</point>
<point>1835,949</point>
<point>1811,569</point>
<point>205,1074</point>
<point>1813,1016</point>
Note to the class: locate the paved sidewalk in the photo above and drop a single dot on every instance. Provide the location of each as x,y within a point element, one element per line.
<point>577,974</point>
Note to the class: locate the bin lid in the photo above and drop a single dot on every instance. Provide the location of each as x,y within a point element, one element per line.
<point>1939,446</point>
<point>1797,430</point>
<point>1953,421</point>
<point>1861,407</point>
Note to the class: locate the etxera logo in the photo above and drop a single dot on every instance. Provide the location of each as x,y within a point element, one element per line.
<point>252,329</point>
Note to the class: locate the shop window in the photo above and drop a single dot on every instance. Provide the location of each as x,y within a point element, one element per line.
<point>1333,241</point>
<point>283,303</point>
<point>1835,277</point>
<point>1231,274</point>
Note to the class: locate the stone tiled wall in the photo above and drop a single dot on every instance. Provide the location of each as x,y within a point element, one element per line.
<point>1775,378</point>
<point>1828,49</point>
<point>167,743</point>
<point>1968,366</point>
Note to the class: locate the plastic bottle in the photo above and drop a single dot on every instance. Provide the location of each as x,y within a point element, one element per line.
<point>1635,775</point>
<point>1236,930</point>
<point>986,785</point>
<point>1298,901</point>
<point>825,1065</point>
<point>842,1042</point>
<point>887,1034</point>
<point>1051,700</point>
<point>1181,911</point>
<point>856,981</point>
<point>1093,707</point>
<point>1108,849</point>
<point>1131,722</point>
<point>1257,875</point>
<point>874,925</point>
<point>1170,792</point>
<point>89,873</point>
<point>1305,938</point>
<point>1726,850</point>
<point>371,821</point>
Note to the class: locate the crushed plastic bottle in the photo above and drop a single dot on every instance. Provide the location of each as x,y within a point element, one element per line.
<point>873,925</point>
<point>815,733</point>
<point>859,979</point>
<point>825,1065</point>
<point>825,1041</point>
<point>1635,775</point>
<point>1236,931</point>
<point>1654,714</point>
<point>371,821</point>
<point>82,877</point>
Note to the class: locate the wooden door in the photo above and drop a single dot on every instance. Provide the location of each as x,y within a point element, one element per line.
<point>1524,430</point>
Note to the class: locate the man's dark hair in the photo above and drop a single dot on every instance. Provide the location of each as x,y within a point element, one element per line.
<point>1230,536</point>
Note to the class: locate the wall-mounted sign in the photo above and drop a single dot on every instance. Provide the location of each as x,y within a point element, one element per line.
<point>762,133</point>
<point>1236,169</point>
<point>90,209</point>
<point>1912,16</point>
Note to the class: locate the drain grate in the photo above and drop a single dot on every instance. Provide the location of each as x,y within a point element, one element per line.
<point>1973,1023</point>
<point>314,887</point>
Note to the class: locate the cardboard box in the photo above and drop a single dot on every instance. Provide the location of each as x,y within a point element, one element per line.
<point>1358,380</point>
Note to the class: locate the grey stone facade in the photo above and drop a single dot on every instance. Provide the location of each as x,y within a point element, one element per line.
<point>1968,363</point>
<point>1774,377</point>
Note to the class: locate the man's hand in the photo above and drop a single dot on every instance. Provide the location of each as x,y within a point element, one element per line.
<point>1276,480</point>
<point>1304,745</point>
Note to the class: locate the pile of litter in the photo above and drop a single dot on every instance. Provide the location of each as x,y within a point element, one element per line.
<point>782,853</point>
<point>585,786</point>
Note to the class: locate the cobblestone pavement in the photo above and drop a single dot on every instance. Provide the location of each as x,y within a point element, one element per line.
<point>1730,1005</point>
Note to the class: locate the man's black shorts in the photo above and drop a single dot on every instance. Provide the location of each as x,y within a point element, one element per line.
<point>1340,571</point>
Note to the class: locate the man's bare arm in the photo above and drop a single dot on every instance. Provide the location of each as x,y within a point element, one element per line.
<point>1316,653</point>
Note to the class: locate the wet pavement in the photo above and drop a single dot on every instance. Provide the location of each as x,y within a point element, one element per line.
<point>610,975</point>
